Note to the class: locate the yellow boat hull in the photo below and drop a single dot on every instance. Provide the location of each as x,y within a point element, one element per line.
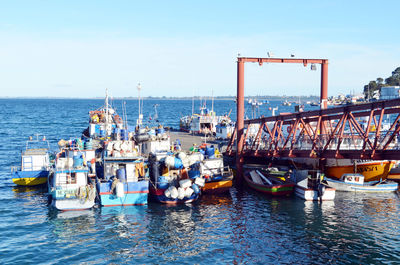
<point>371,170</point>
<point>217,186</point>
<point>30,181</point>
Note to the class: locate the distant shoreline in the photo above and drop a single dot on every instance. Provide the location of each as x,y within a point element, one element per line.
<point>260,98</point>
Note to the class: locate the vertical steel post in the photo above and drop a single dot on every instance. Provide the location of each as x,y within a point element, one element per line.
<point>324,84</point>
<point>240,119</point>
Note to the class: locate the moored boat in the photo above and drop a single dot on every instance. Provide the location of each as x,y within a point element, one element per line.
<point>218,178</point>
<point>310,188</point>
<point>266,183</point>
<point>123,181</point>
<point>224,130</point>
<point>171,182</point>
<point>394,173</point>
<point>355,182</point>
<point>35,163</point>
<point>105,122</point>
<point>203,123</point>
<point>370,169</point>
<point>69,184</point>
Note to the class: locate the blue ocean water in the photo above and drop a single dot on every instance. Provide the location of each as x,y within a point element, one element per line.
<point>242,227</point>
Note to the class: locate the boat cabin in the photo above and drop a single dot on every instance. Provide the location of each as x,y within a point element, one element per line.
<point>354,178</point>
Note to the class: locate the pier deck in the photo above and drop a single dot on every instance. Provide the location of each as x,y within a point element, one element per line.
<point>188,139</point>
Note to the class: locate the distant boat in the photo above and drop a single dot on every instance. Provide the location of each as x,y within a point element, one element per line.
<point>204,123</point>
<point>355,182</point>
<point>314,104</point>
<point>286,103</point>
<point>104,122</point>
<point>35,163</point>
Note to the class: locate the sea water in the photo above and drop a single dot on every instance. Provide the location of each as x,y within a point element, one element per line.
<point>241,227</point>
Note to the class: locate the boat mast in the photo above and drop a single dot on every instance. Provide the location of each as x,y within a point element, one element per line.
<point>193,103</point>
<point>106,129</point>
<point>212,101</point>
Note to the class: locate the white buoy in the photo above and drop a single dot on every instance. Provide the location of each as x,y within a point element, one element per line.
<point>200,182</point>
<point>174,192</point>
<point>167,193</point>
<point>188,192</point>
<point>185,183</point>
<point>170,161</point>
<point>181,193</point>
<point>120,190</point>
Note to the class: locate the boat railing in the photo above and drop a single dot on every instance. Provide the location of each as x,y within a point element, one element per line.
<point>15,169</point>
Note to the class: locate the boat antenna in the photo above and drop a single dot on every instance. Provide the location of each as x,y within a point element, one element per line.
<point>193,103</point>
<point>139,87</point>
<point>106,103</point>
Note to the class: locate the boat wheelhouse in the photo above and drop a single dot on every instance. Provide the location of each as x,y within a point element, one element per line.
<point>69,184</point>
<point>35,163</point>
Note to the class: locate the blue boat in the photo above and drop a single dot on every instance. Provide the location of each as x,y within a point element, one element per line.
<point>124,181</point>
<point>35,163</point>
<point>355,182</point>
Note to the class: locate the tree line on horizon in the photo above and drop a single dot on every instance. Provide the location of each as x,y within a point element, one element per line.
<point>376,85</point>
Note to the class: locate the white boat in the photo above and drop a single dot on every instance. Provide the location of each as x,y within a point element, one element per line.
<point>224,130</point>
<point>204,123</point>
<point>69,185</point>
<point>105,122</point>
<point>310,188</point>
<point>355,182</point>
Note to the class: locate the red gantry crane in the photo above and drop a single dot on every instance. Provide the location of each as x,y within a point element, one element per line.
<point>364,131</point>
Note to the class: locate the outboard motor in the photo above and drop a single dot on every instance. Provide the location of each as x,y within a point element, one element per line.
<point>321,189</point>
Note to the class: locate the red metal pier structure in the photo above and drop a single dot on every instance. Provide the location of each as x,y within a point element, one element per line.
<point>364,131</point>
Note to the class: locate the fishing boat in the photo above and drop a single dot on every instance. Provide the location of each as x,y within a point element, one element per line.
<point>170,182</point>
<point>355,182</point>
<point>35,163</point>
<point>218,178</point>
<point>152,140</point>
<point>123,181</point>
<point>261,181</point>
<point>203,123</point>
<point>370,169</point>
<point>394,173</point>
<point>105,122</point>
<point>224,130</point>
<point>309,186</point>
<point>69,184</point>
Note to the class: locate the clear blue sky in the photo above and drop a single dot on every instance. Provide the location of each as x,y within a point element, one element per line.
<point>185,48</point>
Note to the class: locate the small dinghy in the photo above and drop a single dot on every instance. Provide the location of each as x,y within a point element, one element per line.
<point>355,182</point>
<point>264,182</point>
<point>310,187</point>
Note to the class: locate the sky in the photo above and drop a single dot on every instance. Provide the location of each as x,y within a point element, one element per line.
<point>185,48</point>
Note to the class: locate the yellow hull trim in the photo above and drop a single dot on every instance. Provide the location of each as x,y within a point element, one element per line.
<point>218,185</point>
<point>29,181</point>
<point>370,171</point>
